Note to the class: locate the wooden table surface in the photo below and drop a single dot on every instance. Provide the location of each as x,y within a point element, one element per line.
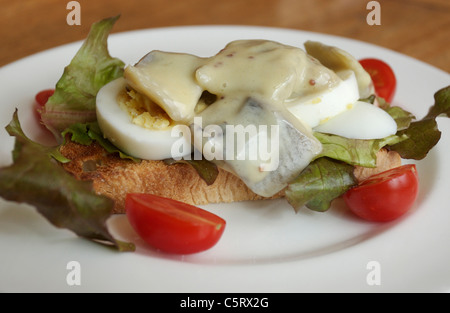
<point>418,28</point>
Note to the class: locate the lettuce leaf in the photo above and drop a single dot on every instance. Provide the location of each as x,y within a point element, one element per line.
<point>354,151</point>
<point>90,69</point>
<point>207,170</point>
<point>36,179</point>
<point>424,134</point>
<point>401,117</point>
<point>87,133</point>
<point>441,105</point>
<point>319,184</point>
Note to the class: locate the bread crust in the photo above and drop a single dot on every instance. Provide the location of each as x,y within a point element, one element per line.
<point>115,177</point>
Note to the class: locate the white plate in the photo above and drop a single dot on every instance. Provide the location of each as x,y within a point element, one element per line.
<point>266,247</point>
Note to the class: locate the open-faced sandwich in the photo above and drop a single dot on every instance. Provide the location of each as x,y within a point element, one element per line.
<point>258,120</point>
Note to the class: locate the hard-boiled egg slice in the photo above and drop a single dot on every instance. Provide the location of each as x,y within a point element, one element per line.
<point>141,142</point>
<point>319,107</point>
<point>363,121</point>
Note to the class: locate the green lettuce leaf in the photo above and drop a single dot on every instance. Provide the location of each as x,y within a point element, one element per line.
<point>87,133</point>
<point>441,105</point>
<point>90,69</point>
<point>424,134</point>
<point>36,179</point>
<point>354,151</point>
<point>401,117</point>
<point>319,184</point>
<point>207,170</point>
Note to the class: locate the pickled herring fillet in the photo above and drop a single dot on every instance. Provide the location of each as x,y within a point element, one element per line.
<point>266,148</point>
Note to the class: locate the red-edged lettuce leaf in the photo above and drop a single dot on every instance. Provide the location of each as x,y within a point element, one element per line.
<point>37,178</point>
<point>441,105</point>
<point>424,134</point>
<point>91,68</point>
<point>319,184</point>
<point>354,151</point>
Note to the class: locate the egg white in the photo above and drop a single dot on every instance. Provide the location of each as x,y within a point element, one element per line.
<point>362,121</point>
<point>315,109</point>
<point>337,111</point>
<point>137,141</point>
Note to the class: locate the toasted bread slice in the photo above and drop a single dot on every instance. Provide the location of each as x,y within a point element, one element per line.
<point>115,177</point>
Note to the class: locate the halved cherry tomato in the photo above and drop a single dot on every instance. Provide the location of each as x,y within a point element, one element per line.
<point>383,77</point>
<point>172,226</point>
<point>385,196</point>
<point>42,96</point>
<point>41,99</point>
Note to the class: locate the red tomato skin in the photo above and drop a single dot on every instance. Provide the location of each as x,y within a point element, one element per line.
<point>41,99</point>
<point>42,96</point>
<point>172,226</point>
<point>386,196</point>
<point>383,77</point>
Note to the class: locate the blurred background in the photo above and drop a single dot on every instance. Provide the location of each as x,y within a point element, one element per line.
<point>418,28</point>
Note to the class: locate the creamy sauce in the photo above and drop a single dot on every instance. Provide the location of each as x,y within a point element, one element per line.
<point>252,81</point>
<point>340,60</point>
<point>266,68</point>
<point>167,79</point>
